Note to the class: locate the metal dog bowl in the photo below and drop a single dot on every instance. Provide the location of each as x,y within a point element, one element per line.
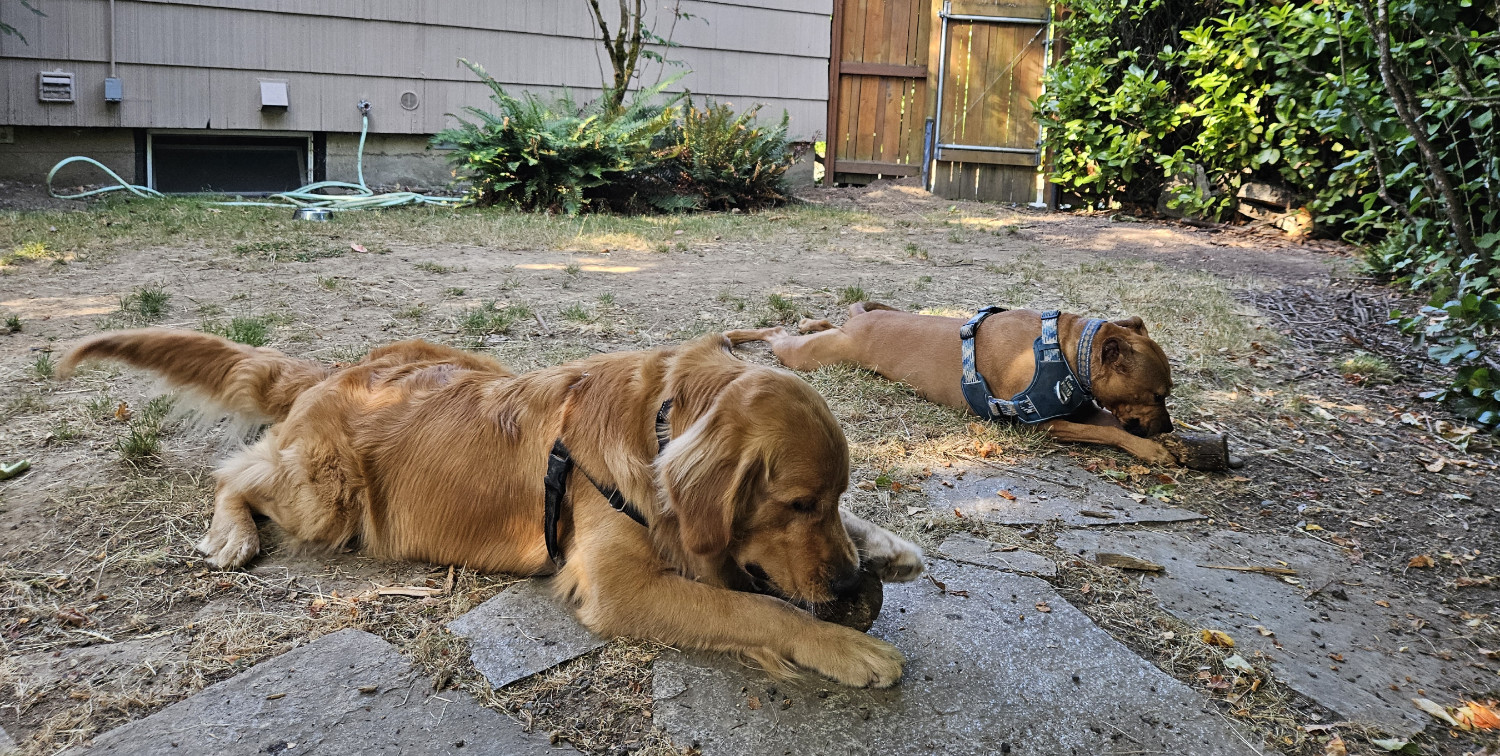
<point>311,214</point>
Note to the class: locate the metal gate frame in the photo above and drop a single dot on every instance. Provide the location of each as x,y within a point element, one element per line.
<point>946,15</point>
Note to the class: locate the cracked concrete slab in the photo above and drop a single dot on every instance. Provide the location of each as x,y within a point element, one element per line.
<point>521,631</point>
<point>345,694</point>
<point>1045,491</point>
<point>1338,647</point>
<point>987,673</point>
<point>971,550</point>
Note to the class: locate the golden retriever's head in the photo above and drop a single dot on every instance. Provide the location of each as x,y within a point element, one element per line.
<point>1134,378</point>
<point>754,487</point>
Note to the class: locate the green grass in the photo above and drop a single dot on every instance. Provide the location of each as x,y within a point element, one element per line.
<point>44,367</point>
<point>453,291</point>
<point>491,318</point>
<point>427,266</point>
<point>578,313</point>
<point>783,309</point>
<point>607,299</point>
<point>254,331</point>
<point>63,431</point>
<point>114,224</point>
<point>28,252</point>
<point>573,269</point>
<point>101,407</point>
<point>145,304</point>
<point>142,441</point>
<point>1367,370</point>
<point>289,250</point>
<point>414,312</point>
<point>912,250</point>
<point>12,323</point>
<point>852,294</point>
<point>329,283</point>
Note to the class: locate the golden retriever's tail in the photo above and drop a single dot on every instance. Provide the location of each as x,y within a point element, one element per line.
<point>258,384</point>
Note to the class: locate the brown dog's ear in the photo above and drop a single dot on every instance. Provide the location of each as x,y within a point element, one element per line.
<point>707,473</point>
<point>1132,323</point>
<point>1112,353</point>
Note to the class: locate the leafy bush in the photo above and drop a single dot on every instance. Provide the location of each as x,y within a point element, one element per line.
<point>1384,124</point>
<point>564,157</point>
<point>715,159</point>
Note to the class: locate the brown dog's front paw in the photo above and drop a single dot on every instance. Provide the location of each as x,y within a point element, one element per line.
<point>850,658</point>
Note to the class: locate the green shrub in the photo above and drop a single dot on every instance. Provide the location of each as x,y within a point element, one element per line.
<point>550,156</point>
<point>715,159</point>
<point>1292,93</point>
<point>560,156</point>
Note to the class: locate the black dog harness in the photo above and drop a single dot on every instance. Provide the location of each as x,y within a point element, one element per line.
<point>1056,390</point>
<point>560,464</point>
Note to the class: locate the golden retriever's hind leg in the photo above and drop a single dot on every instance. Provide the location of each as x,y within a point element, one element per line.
<point>232,538</point>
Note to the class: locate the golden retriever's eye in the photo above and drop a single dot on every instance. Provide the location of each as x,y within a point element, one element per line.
<point>804,505</point>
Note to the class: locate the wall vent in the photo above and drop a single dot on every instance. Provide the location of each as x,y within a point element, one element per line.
<point>55,86</point>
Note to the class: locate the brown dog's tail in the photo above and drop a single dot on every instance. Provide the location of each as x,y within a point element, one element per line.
<point>258,384</point>
<point>859,308</point>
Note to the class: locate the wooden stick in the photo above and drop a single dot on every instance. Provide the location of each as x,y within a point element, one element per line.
<point>1262,570</point>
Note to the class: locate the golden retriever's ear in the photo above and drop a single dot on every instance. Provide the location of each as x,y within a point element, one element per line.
<point>706,473</point>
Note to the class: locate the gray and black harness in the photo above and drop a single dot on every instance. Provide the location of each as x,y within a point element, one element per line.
<point>1056,390</point>
<point>560,464</point>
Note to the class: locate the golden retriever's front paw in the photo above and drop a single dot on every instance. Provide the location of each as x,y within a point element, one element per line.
<point>850,657</point>
<point>228,550</point>
<point>894,559</point>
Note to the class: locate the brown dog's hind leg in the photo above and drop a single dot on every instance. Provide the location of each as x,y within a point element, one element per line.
<point>808,325</point>
<point>800,351</point>
<point>893,558</point>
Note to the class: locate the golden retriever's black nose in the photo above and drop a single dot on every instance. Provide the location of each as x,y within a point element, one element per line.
<point>845,586</point>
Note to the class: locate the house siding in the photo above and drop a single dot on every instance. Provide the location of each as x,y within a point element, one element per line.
<point>195,64</point>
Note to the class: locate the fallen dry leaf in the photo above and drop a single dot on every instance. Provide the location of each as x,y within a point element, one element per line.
<point>122,412</point>
<point>1420,561</point>
<point>1336,747</point>
<point>1126,562</point>
<point>1437,712</point>
<point>1477,716</point>
<point>753,703</point>
<point>1216,638</point>
<point>1467,582</point>
<point>1238,664</point>
<point>1436,467</point>
<point>1004,494</point>
<point>1042,607</point>
<point>1263,631</point>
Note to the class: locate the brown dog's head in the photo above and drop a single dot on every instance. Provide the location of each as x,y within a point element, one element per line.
<point>1132,378</point>
<point>754,487</point>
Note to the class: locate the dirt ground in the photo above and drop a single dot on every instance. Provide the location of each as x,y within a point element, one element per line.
<point>109,615</point>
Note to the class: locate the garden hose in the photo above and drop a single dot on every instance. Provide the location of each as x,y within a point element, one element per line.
<point>361,198</point>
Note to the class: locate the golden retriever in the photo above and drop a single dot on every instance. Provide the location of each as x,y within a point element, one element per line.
<point>429,453</point>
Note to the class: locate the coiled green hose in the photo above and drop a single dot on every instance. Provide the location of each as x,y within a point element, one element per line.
<point>362,198</point>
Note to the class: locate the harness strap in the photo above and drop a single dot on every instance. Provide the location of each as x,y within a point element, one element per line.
<point>1056,390</point>
<point>976,391</point>
<point>555,486</point>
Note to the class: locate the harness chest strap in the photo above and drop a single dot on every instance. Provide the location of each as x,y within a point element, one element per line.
<point>560,465</point>
<point>1056,390</point>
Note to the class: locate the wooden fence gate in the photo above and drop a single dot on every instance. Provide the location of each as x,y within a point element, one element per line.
<point>877,88</point>
<point>967,119</point>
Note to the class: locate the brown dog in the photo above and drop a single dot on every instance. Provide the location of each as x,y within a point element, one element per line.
<point>1131,377</point>
<point>428,453</point>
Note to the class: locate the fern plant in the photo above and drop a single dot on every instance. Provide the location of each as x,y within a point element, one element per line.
<point>715,159</point>
<point>551,156</point>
